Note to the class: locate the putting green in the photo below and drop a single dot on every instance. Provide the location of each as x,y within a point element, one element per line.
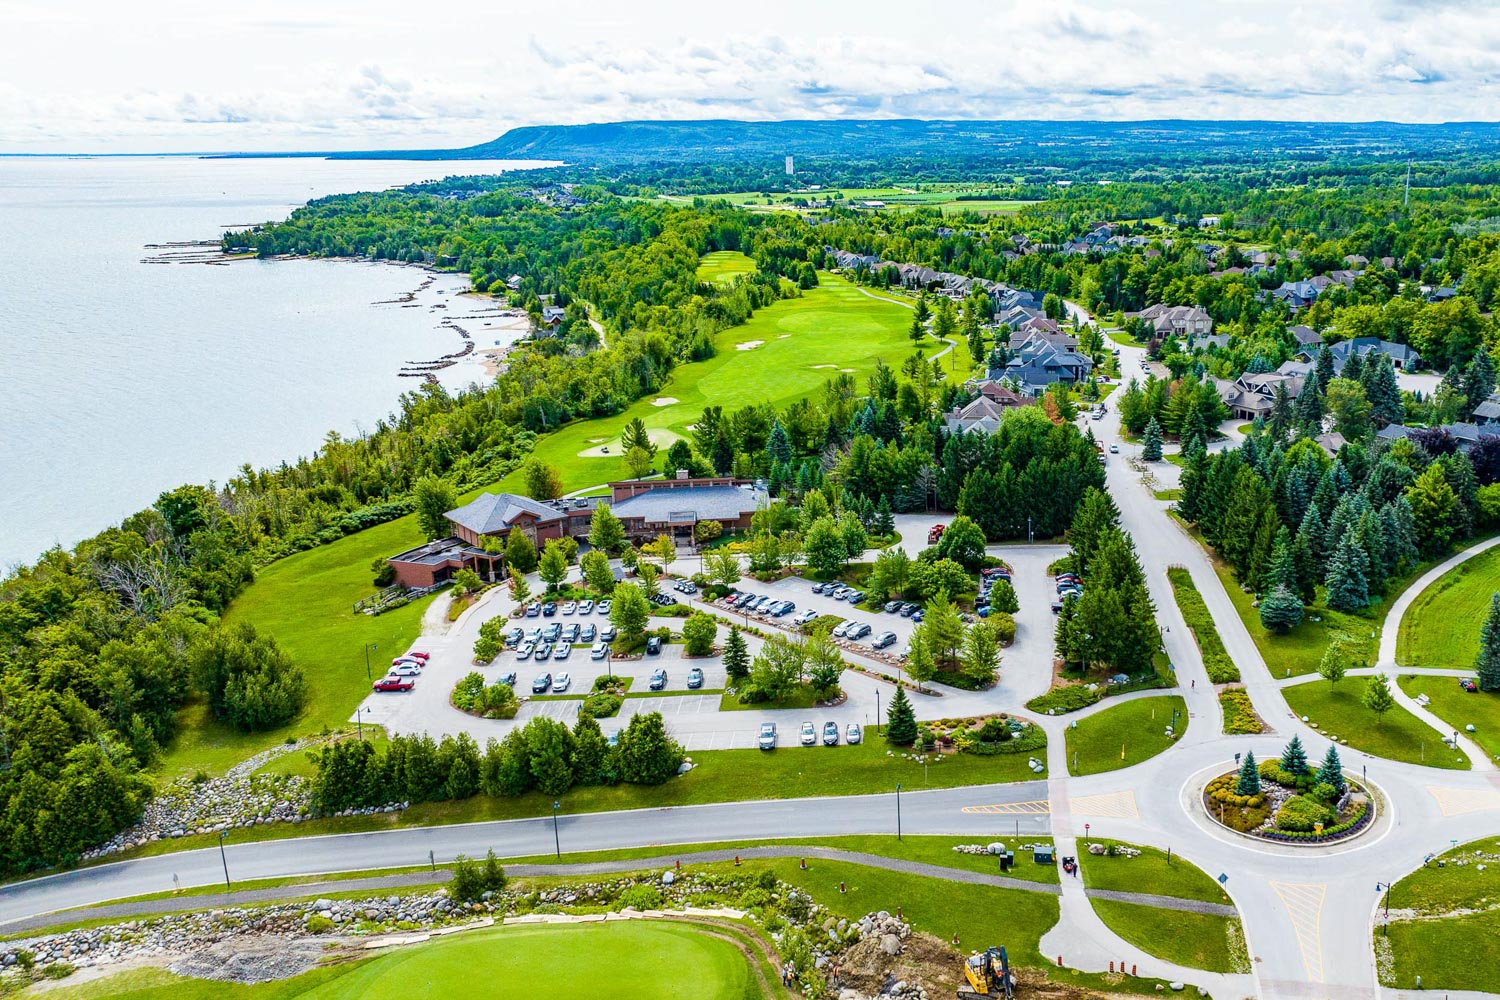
<point>623,961</point>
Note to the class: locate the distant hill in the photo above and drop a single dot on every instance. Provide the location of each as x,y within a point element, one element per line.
<point>1001,142</point>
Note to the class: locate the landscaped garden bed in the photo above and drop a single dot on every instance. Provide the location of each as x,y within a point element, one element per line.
<point>1290,801</point>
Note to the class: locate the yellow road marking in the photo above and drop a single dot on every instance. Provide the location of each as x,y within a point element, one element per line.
<point>1456,801</point>
<point>1037,807</point>
<point>1304,904</point>
<point>1120,805</point>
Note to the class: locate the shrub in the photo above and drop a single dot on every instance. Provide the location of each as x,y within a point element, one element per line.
<point>498,701</point>
<point>994,731</point>
<point>601,704</point>
<point>1221,669</point>
<point>1302,813</point>
<point>1004,626</point>
<point>471,879</point>
<point>1069,698</point>
<point>467,691</point>
<point>698,634</point>
<point>319,924</point>
<point>1239,713</point>
<point>641,897</point>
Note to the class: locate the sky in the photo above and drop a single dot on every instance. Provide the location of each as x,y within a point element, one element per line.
<point>105,76</point>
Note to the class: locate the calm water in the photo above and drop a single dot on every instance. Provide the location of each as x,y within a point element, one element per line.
<point>119,379</point>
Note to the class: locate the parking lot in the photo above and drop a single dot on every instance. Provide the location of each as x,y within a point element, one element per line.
<point>799,591</point>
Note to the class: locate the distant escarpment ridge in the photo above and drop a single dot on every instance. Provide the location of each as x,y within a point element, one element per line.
<point>1032,142</point>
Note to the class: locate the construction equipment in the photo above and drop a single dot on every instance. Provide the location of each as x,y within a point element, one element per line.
<point>989,974</point>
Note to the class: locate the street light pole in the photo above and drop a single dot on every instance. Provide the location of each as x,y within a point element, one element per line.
<point>369,646</point>
<point>224,858</point>
<point>877,711</point>
<point>359,722</point>
<point>556,838</point>
<point>898,810</point>
<point>1386,925</point>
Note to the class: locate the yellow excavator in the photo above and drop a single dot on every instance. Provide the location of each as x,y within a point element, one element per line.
<point>988,972</point>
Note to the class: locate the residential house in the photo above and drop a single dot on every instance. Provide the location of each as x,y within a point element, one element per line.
<point>1467,435</point>
<point>1039,362</point>
<point>1176,321</point>
<point>1305,336</point>
<point>1487,412</point>
<point>1356,262</point>
<point>552,317</point>
<point>1298,295</point>
<point>1402,357</point>
<point>983,414</point>
<point>1251,396</point>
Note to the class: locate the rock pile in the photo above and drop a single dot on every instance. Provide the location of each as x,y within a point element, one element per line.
<point>188,807</point>
<point>1114,851</point>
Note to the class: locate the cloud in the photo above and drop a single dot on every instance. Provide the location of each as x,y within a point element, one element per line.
<point>277,77</point>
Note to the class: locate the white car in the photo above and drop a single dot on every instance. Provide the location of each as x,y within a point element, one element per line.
<point>809,734</point>
<point>841,629</point>
<point>569,608</point>
<point>586,608</point>
<point>404,670</point>
<point>1114,449</point>
<point>805,617</point>
<point>600,651</point>
<point>562,682</point>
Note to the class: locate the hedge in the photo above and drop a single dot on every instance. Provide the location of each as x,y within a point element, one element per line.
<point>1239,713</point>
<point>1221,669</point>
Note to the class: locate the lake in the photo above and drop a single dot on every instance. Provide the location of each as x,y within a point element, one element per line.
<point>120,379</point>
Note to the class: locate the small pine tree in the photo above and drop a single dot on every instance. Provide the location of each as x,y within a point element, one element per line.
<point>1332,770</point>
<point>1487,664</point>
<point>736,656</point>
<point>901,727</point>
<point>1377,696</point>
<point>1151,446</point>
<point>1281,611</point>
<point>1294,757</point>
<point>885,522</point>
<point>1249,781</point>
<point>1348,588</point>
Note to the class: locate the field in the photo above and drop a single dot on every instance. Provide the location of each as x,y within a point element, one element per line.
<point>1459,952</point>
<point>1338,710</point>
<point>1458,708</point>
<point>950,198</point>
<point>656,961</point>
<point>1138,727</point>
<point>723,266</point>
<point>1441,628</point>
<point>306,600</point>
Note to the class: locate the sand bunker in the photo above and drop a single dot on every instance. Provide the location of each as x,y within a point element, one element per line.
<point>663,401</point>
<point>748,345</point>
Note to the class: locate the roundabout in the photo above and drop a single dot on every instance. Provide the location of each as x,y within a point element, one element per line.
<point>1286,801</point>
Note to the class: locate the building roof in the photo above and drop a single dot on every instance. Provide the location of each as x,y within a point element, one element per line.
<point>1305,335</point>
<point>440,552</point>
<point>703,503</point>
<point>492,512</point>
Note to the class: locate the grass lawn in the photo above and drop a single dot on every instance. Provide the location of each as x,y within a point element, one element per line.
<point>1433,890</point>
<point>723,266</point>
<point>1338,710</point>
<point>1137,726</point>
<point>1150,872</point>
<point>1458,708</point>
<point>645,961</point>
<point>1441,628</point>
<point>1451,953</point>
<point>1195,940</point>
<point>306,600</point>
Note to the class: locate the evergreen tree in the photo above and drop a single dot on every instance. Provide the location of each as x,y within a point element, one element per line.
<point>1377,697</point>
<point>1310,405</point>
<point>1281,414</point>
<point>1249,780</point>
<point>1063,634</point>
<point>1282,570</point>
<point>901,721</point>
<point>1331,772</point>
<point>1151,445</point>
<point>1281,611</point>
<point>1189,504</point>
<point>1487,664</point>
<point>778,446</point>
<point>1348,590</point>
<point>1479,379</point>
<point>885,522</point>
<point>1324,365</point>
<point>1383,392</point>
<point>1294,757</point>
<point>736,655</point>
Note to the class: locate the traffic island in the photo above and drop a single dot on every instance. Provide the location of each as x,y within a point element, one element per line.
<point>1288,801</point>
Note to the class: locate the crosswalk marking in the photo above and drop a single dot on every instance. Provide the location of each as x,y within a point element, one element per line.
<point>1034,808</point>
<point>1304,904</point>
<point>1119,805</point>
<point>1456,801</point>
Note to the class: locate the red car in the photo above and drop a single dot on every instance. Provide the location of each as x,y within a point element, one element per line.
<point>418,654</point>
<point>394,684</point>
<point>1468,685</point>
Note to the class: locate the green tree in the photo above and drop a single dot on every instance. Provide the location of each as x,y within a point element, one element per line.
<point>663,548</point>
<point>901,720</point>
<point>1350,407</point>
<point>551,745</point>
<point>466,581</point>
<point>646,578</point>
<point>542,481</point>
<point>1003,597</point>
<point>814,508</point>
<point>962,542</point>
<point>698,634</point>
<point>824,665</point>
<point>553,568</point>
<point>1432,503</point>
<point>1333,666</point>
<point>920,665</point>
<point>1151,445</point>
<point>824,547</point>
<point>1348,587</point>
<point>891,573</point>
<point>596,570</point>
<point>1281,610</point>
<point>1249,780</point>
<point>648,754</point>
<point>520,551</point>
<point>945,630</point>
<point>736,656</point>
<point>1294,758</point>
<point>606,533</point>
<point>635,435</point>
<point>433,498</point>
<point>1377,697</point>
<point>885,522</point>
<point>591,752</point>
<point>629,612</point>
<point>1487,663</point>
<point>1332,771</point>
<point>638,461</point>
<point>520,590</point>
<point>981,654</point>
<point>722,567</point>
<point>852,533</point>
<point>777,671</point>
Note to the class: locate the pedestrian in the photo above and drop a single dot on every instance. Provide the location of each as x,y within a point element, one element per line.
<point>1195,682</point>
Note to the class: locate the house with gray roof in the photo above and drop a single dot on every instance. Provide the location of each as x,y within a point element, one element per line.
<point>651,507</point>
<point>1176,320</point>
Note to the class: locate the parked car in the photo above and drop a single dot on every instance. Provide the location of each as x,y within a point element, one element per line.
<point>805,617</point>
<point>853,735</point>
<point>918,615</point>
<point>419,654</point>
<point>587,633</point>
<point>562,651</point>
<point>695,679</point>
<point>549,609</point>
<point>509,679</point>
<point>552,631</point>
<point>585,607</point>
<point>607,633</point>
<point>908,609</point>
<point>809,734</point>
<point>543,651</point>
<point>600,650</point>
<point>562,682</point>
<point>569,607</point>
<point>855,597</point>
<point>603,606</point>
<point>653,645</point>
<point>884,639</point>
<point>570,634</point>
<point>542,684</point>
<point>830,734</point>
<point>1114,449</point>
<point>1468,685</point>
<point>533,609</point>
<point>857,631</point>
<point>405,670</point>
<point>613,739</point>
<point>817,588</point>
<point>394,684</point>
<point>891,607</point>
<point>525,651</point>
<point>407,661</point>
<point>1056,607</point>
<point>688,587</point>
<point>658,679</point>
<point>513,637</point>
<point>934,533</point>
<point>767,738</point>
<point>841,629</point>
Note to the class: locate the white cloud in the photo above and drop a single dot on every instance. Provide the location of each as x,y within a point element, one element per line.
<point>174,74</point>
